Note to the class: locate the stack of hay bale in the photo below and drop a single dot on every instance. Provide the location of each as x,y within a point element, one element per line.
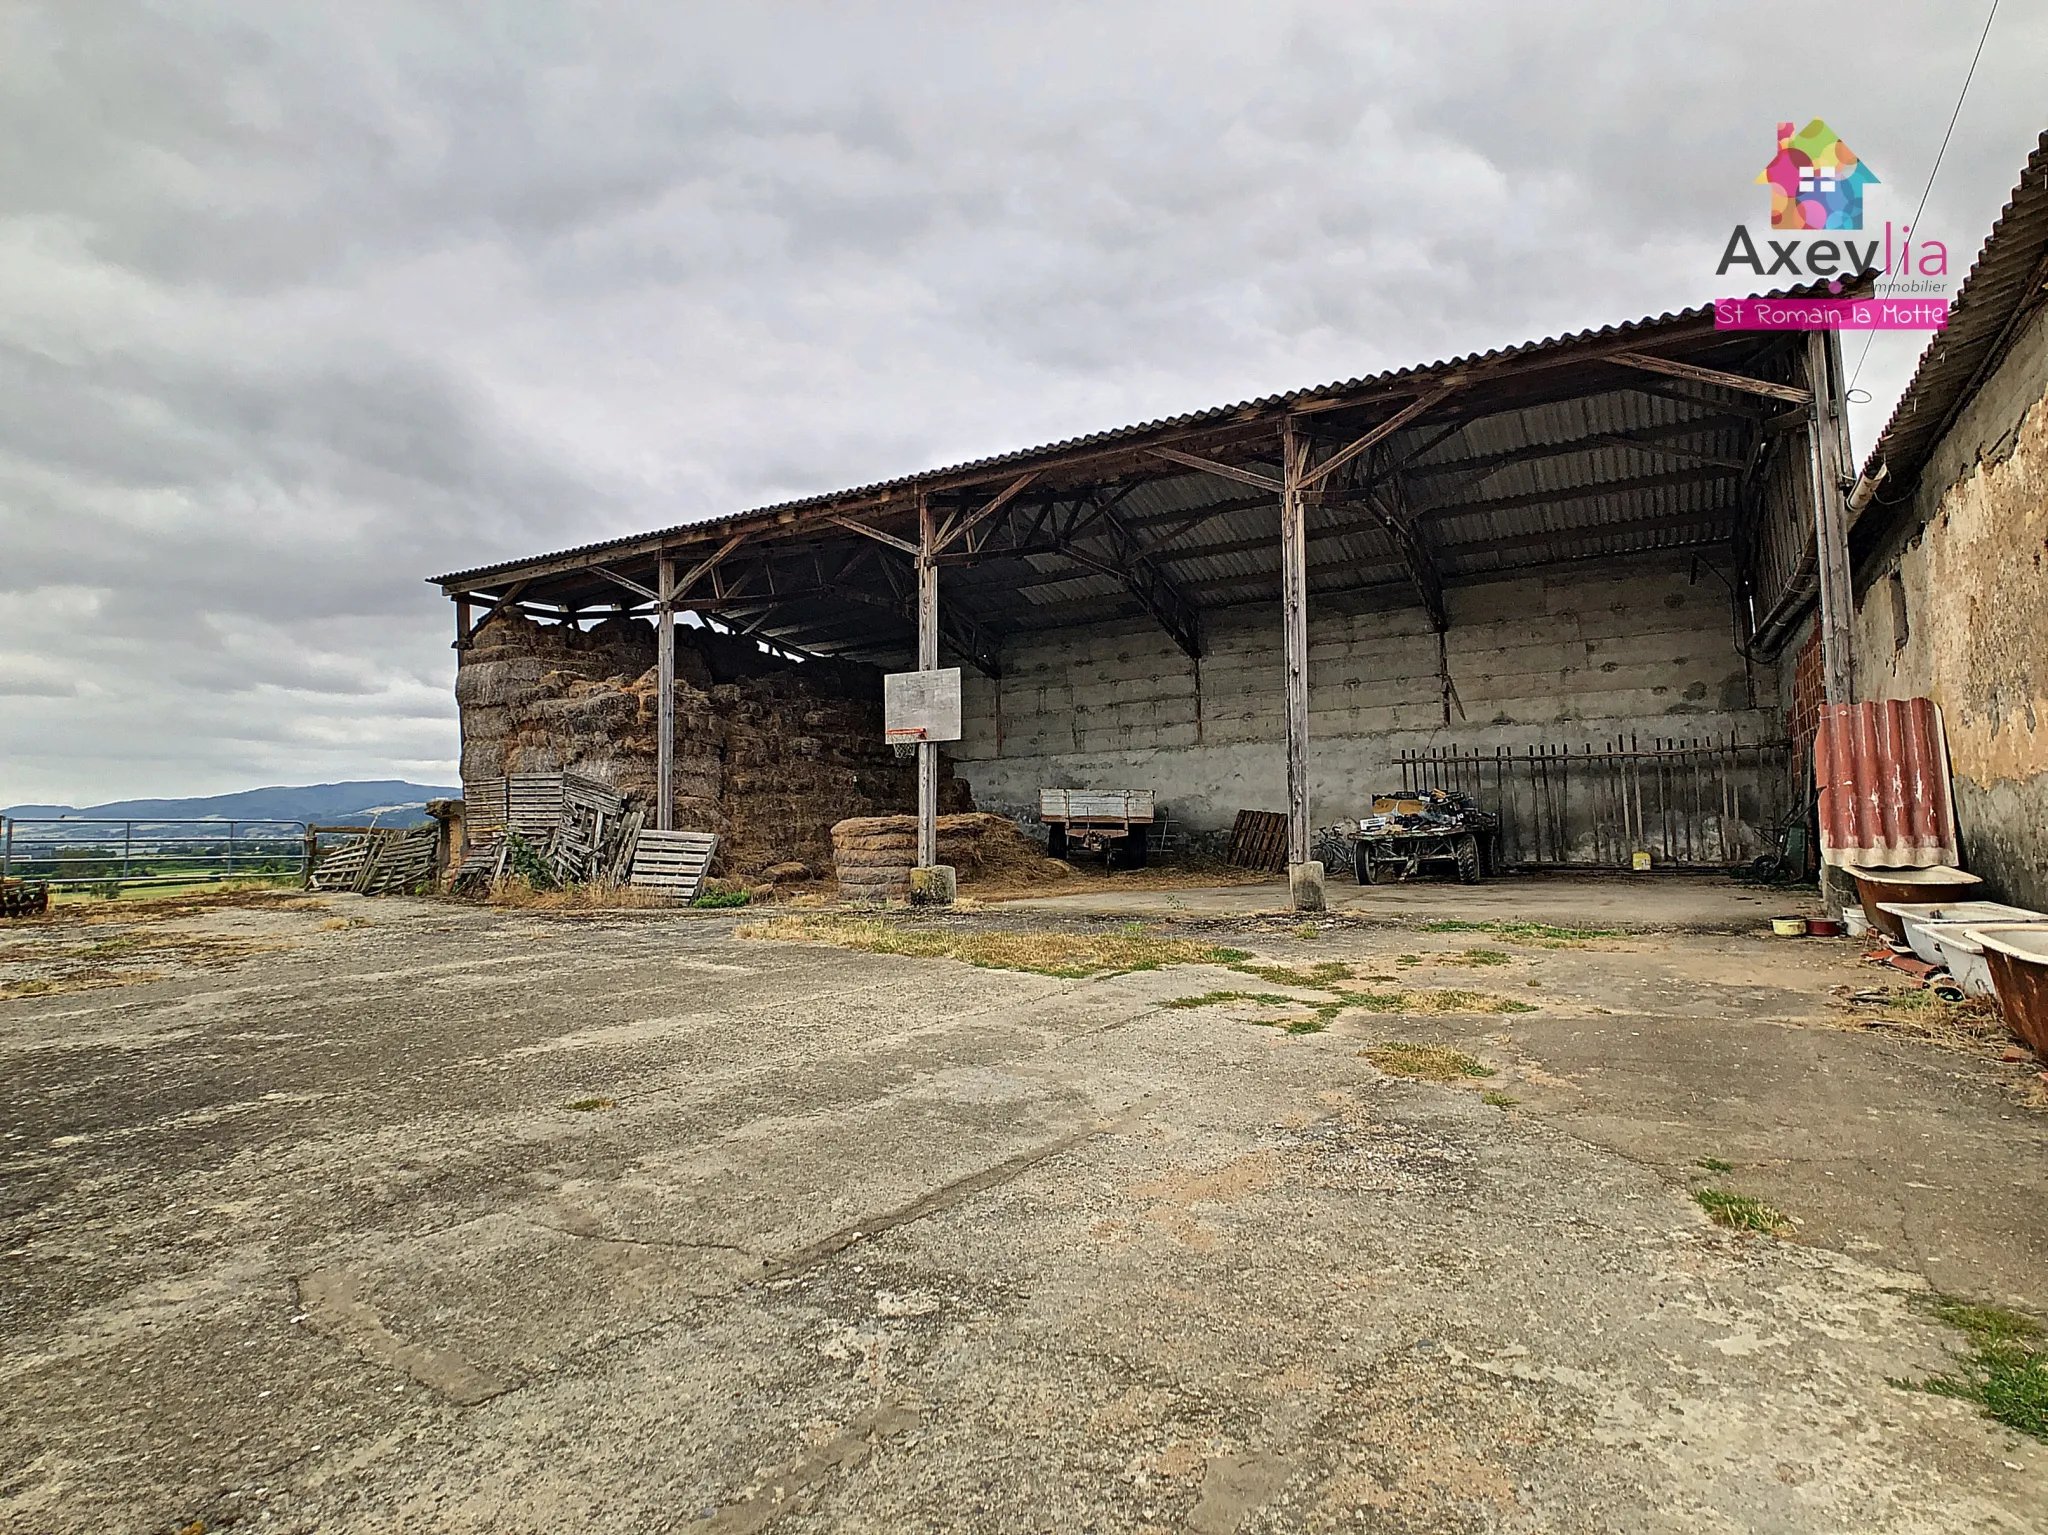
<point>873,854</point>
<point>769,753</point>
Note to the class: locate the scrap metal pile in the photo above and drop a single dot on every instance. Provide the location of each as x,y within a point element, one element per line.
<point>1404,831</point>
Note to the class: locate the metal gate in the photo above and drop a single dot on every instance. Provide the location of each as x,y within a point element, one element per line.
<point>1688,804</point>
<point>82,851</point>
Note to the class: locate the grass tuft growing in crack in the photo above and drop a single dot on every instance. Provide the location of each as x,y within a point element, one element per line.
<point>1295,975</point>
<point>1218,998</point>
<point>2005,1372</point>
<point>1541,934</point>
<point>1427,1063</point>
<point>1742,1212</point>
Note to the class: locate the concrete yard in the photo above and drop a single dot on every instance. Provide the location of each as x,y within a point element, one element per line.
<point>406,1215</point>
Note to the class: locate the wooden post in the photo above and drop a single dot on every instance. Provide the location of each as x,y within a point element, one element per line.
<point>1294,633</point>
<point>927,660</point>
<point>1831,522</point>
<point>665,694</point>
<point>462,622</point>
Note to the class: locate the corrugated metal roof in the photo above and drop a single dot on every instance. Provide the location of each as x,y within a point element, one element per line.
<point>1567,457</point>
<point>1214,416</point>
<point>2003,290</point>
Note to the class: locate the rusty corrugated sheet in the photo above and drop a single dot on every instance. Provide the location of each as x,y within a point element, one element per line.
<point>1882,770</point>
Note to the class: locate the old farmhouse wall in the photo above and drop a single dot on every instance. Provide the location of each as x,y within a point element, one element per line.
<point>1571,654</point>
<point>1956,609</point>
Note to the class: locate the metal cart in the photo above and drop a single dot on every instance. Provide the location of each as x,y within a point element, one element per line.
<point>1113,822</point>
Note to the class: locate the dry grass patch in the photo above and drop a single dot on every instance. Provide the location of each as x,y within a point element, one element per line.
<point>79,980</point>
<point>1426,1063</point>
<point>517,894</point>
<point>1068,955</point>
<point>1541,935</point>
<point>1448,999</point>
<point>1916,1012</point>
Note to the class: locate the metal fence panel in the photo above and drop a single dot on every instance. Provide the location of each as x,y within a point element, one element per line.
<point>1689,804</point>
<point>82,850</point>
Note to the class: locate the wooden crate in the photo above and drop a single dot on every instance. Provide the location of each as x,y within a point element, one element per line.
<point>674,861</point>
<point>1259,841</point>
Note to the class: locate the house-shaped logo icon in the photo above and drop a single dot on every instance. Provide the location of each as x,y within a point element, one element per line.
<point>1816,181</point>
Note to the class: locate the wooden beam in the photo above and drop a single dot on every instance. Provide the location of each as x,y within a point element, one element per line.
<point>1378,434</point>
<point>1714,376</point>
<point>1132,563</point>
<point>1294,449</point>
<point>1223,471</point>
<point>1648,438</point>
<point>927,660</point>
<point>665,696</point>
<point>958,528</point>
<point>879,536</point>
<point>1825,461</point>
<point>629,584</point>
<point>1390,501</point>
<point>1590,492</point>
<point>504,602</point>
<point>705,566</point>
<point>1667,450</point>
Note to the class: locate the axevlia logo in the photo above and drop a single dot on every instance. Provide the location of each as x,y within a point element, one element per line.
<point>1816,181</point>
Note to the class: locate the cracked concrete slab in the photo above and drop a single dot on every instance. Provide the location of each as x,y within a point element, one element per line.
<point>866,1242</point>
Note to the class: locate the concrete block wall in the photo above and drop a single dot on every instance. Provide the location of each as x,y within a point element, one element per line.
<point>1567,655</point>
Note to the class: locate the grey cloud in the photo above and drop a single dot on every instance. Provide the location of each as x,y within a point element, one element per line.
<point>300,304</point>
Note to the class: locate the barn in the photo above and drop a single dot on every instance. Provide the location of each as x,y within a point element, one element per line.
<point>1572,576</point>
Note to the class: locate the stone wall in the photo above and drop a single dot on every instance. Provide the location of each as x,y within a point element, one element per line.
<point>1956,609</point>
<point>769,753</point>
<point>1573,654</point>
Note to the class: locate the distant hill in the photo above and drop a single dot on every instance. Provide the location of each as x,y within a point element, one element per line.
<point>391,801</point>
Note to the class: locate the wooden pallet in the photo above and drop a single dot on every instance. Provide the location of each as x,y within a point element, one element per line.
<point>1259,841</point>
<point>674,861</point>
<point>24,898</point>
<point>380,861</point>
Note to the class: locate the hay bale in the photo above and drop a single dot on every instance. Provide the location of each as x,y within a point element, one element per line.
<point>769,753</point>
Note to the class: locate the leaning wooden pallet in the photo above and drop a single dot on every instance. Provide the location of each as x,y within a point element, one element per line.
<point>673,861</point>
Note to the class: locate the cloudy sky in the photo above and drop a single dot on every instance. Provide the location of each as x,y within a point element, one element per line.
<point>301,303</point>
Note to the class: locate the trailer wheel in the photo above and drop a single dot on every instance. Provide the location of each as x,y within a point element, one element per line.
<point>1361,860</point>
<point>1127,851</point>
<point>1055,841</point>
<point>1468,860</point>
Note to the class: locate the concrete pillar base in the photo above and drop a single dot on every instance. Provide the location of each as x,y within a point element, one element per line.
<point>1305,884</point>
<point>934,885</point>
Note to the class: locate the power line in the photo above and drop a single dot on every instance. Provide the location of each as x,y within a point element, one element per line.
<point>1870,336</point>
